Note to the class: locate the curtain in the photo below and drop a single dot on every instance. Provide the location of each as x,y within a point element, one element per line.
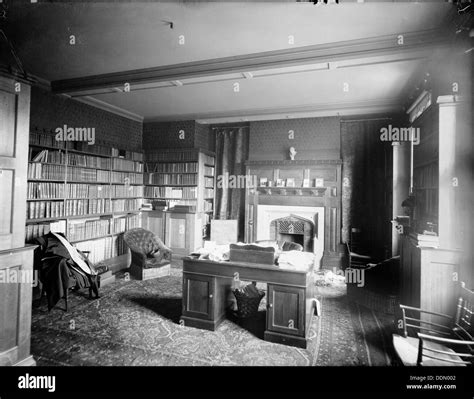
<point>365,183</point>
<point>232,148</point>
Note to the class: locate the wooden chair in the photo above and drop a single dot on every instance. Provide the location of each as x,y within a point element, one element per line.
<point>356,250</point>
<point>437,344</point>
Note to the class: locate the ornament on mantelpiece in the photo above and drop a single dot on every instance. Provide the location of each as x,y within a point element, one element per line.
<point>292,153</point>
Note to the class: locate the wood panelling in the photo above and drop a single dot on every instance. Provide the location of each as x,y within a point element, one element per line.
<point>16,260</point>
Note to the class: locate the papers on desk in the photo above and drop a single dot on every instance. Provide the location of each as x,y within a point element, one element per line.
<point>213,251</point>
<point>296,260</point>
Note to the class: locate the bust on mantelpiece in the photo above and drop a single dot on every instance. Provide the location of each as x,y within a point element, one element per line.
<point>292,153</point>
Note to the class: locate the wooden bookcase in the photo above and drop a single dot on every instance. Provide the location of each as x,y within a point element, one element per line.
<point>91,193</point>
<point>184,179</point>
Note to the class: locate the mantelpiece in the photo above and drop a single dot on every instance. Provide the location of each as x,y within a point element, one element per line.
<point>327,198</point>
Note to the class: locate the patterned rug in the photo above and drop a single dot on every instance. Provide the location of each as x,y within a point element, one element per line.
<point>135,323</point>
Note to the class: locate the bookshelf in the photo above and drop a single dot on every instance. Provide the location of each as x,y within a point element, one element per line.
<point>179,184</point>
<point>92,194</point>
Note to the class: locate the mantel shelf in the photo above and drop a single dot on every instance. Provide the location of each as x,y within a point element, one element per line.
<point>312,191</point>
<point>297,162</point>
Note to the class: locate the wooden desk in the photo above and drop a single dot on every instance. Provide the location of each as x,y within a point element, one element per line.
<point>290,304</point>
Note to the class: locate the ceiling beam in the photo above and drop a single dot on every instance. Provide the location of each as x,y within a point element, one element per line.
<point>412,43</point>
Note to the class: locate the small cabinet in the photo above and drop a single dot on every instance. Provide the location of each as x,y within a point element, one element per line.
<point>198,296</point>
<point>286,310</point>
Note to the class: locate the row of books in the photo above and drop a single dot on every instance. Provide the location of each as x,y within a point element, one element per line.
<point>209,170</point>
<point>45,190</point>
<point>78,207</point>
<point>44,209</point>
<point>91,161</point>
<point>49,156</point>
<point>172,156</point>
<point>103,248</point>
<point>171,192</point>
<point>57,172</point>
<point>172,179</point>
<point>78,190</point>
<point>208,182</point>
<point>48,190</point>
<point>46,139</point>
<point>33,231</point>
<point>182,202</point>
<point>125,164</point>
<point>49,140</point>
<point>181,167</point>
<point>89,229</point>
<point>42,171</point>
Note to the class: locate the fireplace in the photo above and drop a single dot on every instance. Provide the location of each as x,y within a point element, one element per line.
<point>270,217</point>
<point>294,229</point>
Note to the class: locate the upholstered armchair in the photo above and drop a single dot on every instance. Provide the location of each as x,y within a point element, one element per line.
<point>150,256</point>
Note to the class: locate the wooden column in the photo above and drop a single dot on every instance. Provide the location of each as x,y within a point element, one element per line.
<point>401,183</point>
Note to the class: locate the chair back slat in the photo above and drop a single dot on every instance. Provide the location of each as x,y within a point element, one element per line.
<point>464,320</point>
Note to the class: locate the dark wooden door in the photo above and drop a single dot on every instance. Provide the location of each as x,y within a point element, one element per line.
<point>198,296</point>
<point>286,309</point>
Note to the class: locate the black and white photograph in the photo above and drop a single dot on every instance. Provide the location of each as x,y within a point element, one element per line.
<point>195,194</point>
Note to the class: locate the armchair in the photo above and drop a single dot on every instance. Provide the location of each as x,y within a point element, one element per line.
<point>438,344</point>
<point>150,257</point>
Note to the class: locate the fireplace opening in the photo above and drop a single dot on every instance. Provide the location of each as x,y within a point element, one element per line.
<point>294,229</point>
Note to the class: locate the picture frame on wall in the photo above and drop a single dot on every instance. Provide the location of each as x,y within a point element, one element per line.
<point>319,182</point>
<point>280,183</point>
<point>290,182</point>
<point>263,182</point>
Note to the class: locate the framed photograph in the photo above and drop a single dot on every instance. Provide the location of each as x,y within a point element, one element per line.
<point>280,183</point>
<point>290,182</point>
<point>305,182</point>
<point>263,182</point>
<point>319,182</point>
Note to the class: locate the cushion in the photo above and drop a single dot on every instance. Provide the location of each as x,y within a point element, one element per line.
<point>407,351</point>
